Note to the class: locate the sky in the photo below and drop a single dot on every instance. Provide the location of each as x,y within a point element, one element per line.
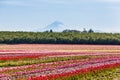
<point>29,15</point>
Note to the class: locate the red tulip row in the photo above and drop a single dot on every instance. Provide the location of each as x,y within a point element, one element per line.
<point>44,67</point>
<point>76,72</point>
<point>14,56</point>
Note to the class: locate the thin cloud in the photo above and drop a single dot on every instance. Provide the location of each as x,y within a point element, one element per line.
<point>76,1</point>
<point>53,1</point>
<point>109,0</point>
<point>14,3</point>
<point>30,2</point>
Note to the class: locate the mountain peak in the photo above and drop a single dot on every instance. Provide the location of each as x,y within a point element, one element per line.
<point>56,26</point>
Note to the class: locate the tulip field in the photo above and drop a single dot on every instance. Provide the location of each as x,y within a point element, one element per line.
<point>59,62</point>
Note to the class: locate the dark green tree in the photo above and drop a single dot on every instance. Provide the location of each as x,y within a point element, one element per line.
<point>51,30</point>
<point>90,31</point>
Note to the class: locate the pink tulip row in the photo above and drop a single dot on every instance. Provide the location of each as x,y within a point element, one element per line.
<point>107,57</point>
<point>12,56</point>
<point>75,72</point>
<point>56,67</point>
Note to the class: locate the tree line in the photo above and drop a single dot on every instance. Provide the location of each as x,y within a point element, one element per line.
<point>59,38</point>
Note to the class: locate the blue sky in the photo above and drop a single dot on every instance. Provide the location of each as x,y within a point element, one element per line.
<point>27,15</point>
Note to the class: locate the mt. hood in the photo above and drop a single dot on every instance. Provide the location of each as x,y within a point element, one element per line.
<point>56,26</point>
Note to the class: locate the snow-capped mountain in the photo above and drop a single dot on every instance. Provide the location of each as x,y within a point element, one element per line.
<point>56,26</point>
